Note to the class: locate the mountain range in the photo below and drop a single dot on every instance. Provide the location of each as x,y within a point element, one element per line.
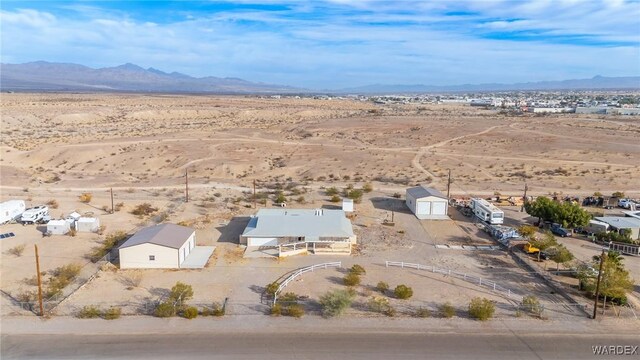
<point>47,76</point>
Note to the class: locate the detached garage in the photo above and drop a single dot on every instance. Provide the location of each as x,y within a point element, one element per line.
<point>160,246</point>
<point>427,203</point>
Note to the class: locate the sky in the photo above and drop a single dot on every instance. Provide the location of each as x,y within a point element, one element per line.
<point>334,44</point>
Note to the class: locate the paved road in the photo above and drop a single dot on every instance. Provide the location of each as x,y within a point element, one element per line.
<point>305,345</point>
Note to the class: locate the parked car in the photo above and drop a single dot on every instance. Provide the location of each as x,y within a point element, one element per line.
<point>625,203</point>
<point>560,231</point>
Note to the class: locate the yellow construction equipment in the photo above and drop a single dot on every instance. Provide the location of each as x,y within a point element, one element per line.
<point>530,249</point>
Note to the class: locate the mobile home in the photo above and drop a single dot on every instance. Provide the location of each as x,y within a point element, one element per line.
<point>486,211</point>
<point>11,210</point>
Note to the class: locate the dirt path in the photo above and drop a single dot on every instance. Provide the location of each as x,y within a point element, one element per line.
<point>423,150</point>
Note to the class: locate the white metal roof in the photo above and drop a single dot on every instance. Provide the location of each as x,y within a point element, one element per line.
<point>308,223</point>
<point>620,222</point>
<point>423,191</point>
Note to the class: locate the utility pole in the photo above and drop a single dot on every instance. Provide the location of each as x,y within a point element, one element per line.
<point>595,303</point>
<point>392,215</point>
<point>186,184</point>
<point>254,193</point>
<point>112,208</point>
<point>449,185</point>
<point>524,197</point>
<point>39,282</point>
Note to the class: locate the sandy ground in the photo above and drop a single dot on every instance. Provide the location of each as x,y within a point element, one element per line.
<point>57,146</point>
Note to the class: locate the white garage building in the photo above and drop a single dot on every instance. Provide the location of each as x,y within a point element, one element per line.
<point>160,246</point>
<point>427,203</point>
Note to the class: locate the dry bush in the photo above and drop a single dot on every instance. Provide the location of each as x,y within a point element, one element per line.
<point>143,209</point>
<point>53,203</point>
<point>133,278</point>
<point>17,250</point>
<point>85,198</point>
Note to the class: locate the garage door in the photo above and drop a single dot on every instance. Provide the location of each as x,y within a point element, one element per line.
<point>439,208</point>
<point>424,207</point>
<point>262,242</point>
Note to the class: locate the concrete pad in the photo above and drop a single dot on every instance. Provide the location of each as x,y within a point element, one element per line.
<point>198,257</point>
<point>260,252</point>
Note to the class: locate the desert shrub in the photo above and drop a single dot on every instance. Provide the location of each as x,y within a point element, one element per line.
<point>403,292</point>
<point>355,195</point>
<point>280,198</point>
<point>61,277</point>
<point>17,250</point>
<point>357,269</point>
<point>72,232</point>
<point>390,311</point>
<point>397,195</point>
<point>335,199</point>
<point>332,191</point>
<point>118,206</point>
<point>109,242</point>
<point>26,296</point>
<point>143,209</point>
<point>379,304</point>
<point>367,188</point>
<point>351,279</point>
<point>217,309</point>
<point>165,309</point>
<point>271,288</point>
<point>112,313</point>
<point>288,297</point>
<point>53,203</point>
<point>447,310</point>
<point>89,312</point>
<point>301,200</point>
<point>422,312</point>
<point>294,310</point>
<point>205,311</point>
<point>85,198</point>
<point>190,312</point>
<point>382,287</point>
<point>532,305</point>
<point>180,293</point>
<point>335,302</point>
<point>481,308</point>
<point>276,310</point>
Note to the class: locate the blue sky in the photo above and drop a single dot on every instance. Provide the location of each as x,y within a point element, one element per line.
<point>335,43</point>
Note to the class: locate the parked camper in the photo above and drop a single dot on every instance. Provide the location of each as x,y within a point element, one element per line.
<point>486,211</point>
<point>58,227</point>
<point>38,214</point>
<point>11,210</point>
<point>87,224</point>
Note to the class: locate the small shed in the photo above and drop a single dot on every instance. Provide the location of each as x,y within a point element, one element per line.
<point>58,227</point>
<point>347,205</point>
<point>88,224</point>
<point>427,203</point>
<point>74,216</point>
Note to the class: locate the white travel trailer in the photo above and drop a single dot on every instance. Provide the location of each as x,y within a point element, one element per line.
<point>486,211</point>
<point>87,224</point>
<point>58,227</point>
<point>34,215</point>
<point>11,210</point>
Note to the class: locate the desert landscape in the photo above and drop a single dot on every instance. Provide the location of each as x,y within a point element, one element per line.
<point>58,141</point>
<point>56,147</point>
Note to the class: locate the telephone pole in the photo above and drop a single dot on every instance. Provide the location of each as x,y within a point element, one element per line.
<point>595,303</point>
<point>449,185</point>
<point>39,282</point>
<point>254,193</point>
<point>112,208</point>
<point>524,197</point>
<point>186,185</point>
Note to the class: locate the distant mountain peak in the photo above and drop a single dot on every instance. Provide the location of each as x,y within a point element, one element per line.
<point>42,75</point>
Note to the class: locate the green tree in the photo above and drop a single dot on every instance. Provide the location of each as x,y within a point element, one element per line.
<point>615,280</point>
<point>355,194</point>
<point>180,293</point>
<point>331,191</point>
<point>618,194</point>
<point>527,231</point>
<point>481,308</point>
<point>566,213</point>
<point>545,242</point>
<point>562,255</point>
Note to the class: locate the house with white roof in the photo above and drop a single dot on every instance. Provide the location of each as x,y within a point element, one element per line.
<point>294,231</point>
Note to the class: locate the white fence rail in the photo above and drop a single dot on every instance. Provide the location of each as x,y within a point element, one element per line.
<point>299,272</point>
<point>491,285</point>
